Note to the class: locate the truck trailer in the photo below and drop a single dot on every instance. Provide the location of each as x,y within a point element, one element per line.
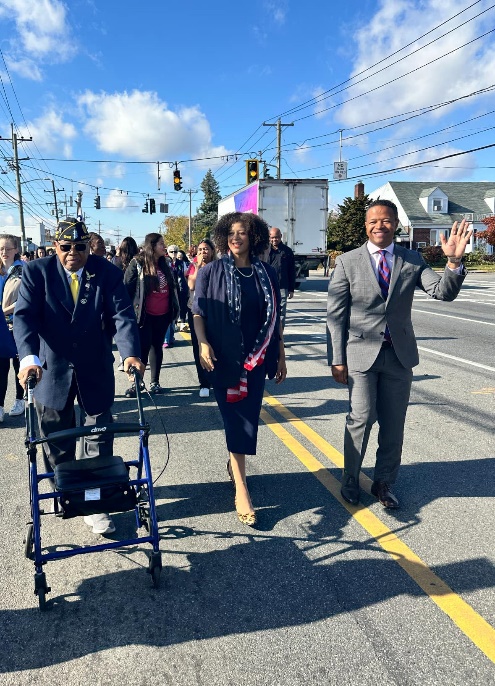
<point>298,207</point>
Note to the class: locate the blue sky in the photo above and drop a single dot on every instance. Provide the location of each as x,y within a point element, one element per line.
<point>106,89</point>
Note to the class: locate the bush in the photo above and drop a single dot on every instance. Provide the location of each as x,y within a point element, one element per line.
<point>479,256</point>
<point>433,255</point>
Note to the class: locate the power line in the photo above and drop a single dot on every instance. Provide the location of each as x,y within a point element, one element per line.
<point>317,99</point>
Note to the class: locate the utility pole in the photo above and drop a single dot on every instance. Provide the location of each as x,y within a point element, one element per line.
<point>279,144</point>
<point>15,165</point>
<point>59,190</point>
<point>190,191</point>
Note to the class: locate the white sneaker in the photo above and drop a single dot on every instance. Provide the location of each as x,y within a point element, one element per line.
<point>204,392</point>
<point>17,408</point>
<point>2,414</point>
<point>101,523</point>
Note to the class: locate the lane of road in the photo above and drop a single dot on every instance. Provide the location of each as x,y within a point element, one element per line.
<point>297,572</point>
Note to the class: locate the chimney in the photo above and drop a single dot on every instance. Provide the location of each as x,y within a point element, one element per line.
<point>359,190</point>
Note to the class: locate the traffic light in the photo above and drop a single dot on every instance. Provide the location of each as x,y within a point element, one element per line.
<point>152,206</point>
<point>145,208</point>
<point>251,171</point>
<point>97,202</point>
<point>177,180</point>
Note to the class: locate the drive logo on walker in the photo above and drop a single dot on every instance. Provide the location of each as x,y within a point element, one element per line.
<point>98,429</point>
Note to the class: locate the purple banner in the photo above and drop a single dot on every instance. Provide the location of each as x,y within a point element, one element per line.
<point>247,200</point>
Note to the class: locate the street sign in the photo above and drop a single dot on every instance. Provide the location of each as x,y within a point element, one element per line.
<point>339,171</point>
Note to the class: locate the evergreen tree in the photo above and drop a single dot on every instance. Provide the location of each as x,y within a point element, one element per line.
<point>345,229</point>
<point>207,215</point>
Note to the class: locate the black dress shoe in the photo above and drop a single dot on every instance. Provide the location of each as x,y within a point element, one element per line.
<point>382,491</point>
<point>350,489</point>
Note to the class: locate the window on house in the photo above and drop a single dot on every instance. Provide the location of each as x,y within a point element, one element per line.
<point>437,204</point>
<point>435,236</point>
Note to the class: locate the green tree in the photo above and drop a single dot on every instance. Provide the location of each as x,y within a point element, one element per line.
<point>175,230</point>
<point>207,214</point>
<point>345,228</point>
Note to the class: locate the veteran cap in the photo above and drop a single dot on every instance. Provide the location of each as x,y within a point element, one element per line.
<point>71,229</point>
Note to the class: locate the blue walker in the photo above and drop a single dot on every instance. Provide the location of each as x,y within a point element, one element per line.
<point>91,486</point>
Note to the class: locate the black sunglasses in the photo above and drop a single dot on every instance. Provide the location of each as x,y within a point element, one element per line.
<point>80,247</point>
<point>173,252</point>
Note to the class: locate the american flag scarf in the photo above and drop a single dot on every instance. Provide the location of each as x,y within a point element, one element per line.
<point>257,354</point>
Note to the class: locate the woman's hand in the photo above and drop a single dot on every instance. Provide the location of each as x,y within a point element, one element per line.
<point>207,357</point>
<point>281,370</point>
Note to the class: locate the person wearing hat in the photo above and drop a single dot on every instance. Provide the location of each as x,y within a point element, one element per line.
<point>69,308</point>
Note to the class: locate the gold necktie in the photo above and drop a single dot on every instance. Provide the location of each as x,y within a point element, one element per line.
<point>74,286</point>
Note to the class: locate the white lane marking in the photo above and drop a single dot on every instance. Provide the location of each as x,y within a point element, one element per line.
<point>298,332</point>
<point>457,359</point>
<point>454,316</point>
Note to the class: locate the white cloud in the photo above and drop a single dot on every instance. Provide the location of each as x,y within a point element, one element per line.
<point>116,171</point>
<point>391,28</point>
<point>320,106</point>
<point>277,10</point>
<point>117,199</point>
<point>25,67</point>
<point>444,170</point>
<point>51,133</point>
<point>394,25</point>
<point>43,34</point>
<point>140,126</point>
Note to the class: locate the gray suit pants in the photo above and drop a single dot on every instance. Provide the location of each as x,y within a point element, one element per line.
<point>379,394</point>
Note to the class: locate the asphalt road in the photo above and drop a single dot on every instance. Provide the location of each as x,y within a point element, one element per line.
<point>320,593</point>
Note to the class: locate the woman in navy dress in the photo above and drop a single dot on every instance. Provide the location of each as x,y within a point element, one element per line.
<point>237,321</point>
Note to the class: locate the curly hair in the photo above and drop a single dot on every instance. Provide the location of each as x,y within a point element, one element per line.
<point>257,230</point>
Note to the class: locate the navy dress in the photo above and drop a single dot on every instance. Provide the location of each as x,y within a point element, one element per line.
<point>240,419</point>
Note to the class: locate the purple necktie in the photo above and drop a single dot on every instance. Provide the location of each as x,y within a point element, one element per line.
<point>384,282</point>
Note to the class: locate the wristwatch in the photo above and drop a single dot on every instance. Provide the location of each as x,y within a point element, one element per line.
<point>454,260</point>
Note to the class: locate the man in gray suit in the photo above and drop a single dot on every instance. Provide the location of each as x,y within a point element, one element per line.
<point>371,342</point>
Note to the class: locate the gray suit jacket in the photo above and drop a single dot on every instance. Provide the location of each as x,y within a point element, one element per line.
<point>357,314</point>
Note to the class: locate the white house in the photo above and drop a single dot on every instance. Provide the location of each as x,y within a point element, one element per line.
<point>427,209</point>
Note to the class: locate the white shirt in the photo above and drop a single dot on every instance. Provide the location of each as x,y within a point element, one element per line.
<point>374,252</point>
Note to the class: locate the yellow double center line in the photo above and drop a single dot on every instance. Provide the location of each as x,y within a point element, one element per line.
<point>461,613</point>
<point>477,629</point>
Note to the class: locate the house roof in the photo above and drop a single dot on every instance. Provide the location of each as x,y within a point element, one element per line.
<point>464,197</point>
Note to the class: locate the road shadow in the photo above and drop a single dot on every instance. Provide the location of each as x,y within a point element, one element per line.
<point>250,581</point>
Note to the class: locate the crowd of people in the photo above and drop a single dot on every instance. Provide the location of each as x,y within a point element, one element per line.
<point>139,298</point>
<point>64,311</point>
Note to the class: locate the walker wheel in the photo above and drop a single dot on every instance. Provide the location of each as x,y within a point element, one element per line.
<point>155,576</point>
<point>41,589</point>
<point>28,543</point>
<point>42,599</point>
<point>155,568</point>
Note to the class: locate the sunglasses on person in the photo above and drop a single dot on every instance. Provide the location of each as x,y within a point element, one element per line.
<point>80,247</point>
<point>173,252</point>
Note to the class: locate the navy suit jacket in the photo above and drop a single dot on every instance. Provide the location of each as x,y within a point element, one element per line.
<point>210,301</point>
<point>70,338</point>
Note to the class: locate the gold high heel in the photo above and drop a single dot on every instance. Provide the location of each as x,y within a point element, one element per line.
<point>250,518</point>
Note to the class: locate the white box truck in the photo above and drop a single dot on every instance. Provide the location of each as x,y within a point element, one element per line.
<point>298,207</point>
